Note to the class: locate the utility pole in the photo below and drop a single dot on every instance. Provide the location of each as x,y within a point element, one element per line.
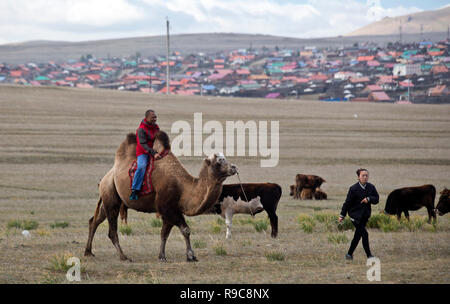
<point>448,32</point>
<point>421,32</point>
<point>400,31</point>
<point>167,58</point>
<point>408,91</point>
<point>150,83</point>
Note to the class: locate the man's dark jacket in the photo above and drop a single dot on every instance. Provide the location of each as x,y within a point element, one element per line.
<point>353,206</point>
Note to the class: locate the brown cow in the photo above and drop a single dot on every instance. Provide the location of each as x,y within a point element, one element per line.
<point>307,181</point>
<point>293,192</point>
<point>306,194</point>
<point>320,195</point>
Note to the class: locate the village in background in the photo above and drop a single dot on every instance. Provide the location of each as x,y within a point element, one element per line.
<point>402,59</point>
<point>408,72</point>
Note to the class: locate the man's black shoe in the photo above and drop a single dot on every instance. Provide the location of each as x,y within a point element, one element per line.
<point>134,195</point>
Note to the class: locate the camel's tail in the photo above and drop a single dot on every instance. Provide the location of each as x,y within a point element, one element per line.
<point>97,209</point>
<point>123,214</point>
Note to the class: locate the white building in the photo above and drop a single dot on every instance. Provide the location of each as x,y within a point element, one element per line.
<point>343,75</point>
<point>406,69</point>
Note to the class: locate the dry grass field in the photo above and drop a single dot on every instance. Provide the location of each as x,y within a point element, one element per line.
<point>57,143</point>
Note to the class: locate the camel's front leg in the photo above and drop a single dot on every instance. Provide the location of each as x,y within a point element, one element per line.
<point>186,232</point>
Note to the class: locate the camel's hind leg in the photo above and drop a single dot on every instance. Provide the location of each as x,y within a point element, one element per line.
<point>112,214</point>
<point>165,231</point>
<point>94,221</point>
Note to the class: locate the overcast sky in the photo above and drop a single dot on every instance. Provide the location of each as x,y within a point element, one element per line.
<point>81,20</point>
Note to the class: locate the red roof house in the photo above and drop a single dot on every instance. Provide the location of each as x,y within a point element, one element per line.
<point>439,90</point>
<point>439,69</point>
<point>379,96</point>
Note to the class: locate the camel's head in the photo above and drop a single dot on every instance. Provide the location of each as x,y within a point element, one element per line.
<point>162,142</point>
<point>220,167</point>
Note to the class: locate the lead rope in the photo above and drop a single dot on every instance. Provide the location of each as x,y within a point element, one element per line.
<point>240,183</point>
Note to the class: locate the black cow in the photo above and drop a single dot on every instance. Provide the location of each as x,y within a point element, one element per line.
<point>443,205</point>
<point>269,194</point>
<point>411,198</point>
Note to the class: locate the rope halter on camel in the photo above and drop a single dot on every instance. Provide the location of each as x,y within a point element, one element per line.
<point>246,199</point>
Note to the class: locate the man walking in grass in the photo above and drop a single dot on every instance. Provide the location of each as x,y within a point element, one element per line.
<point>358,203</point>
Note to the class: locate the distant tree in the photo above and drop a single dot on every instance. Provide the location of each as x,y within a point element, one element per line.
<point>82,58</point>
<point>277,48</point>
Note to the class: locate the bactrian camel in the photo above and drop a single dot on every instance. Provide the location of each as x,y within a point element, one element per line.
<point>176,192</point>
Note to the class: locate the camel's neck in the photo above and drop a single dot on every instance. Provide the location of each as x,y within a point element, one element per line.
<point>205,191</point>
<point>199,193</point>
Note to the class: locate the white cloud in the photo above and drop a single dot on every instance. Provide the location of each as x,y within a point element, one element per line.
<point>101,12</point>
<point>81,12</point>
<point>342,17</point>
<point>250,16</point>
<point>76,20</point>
<point>314,18</point>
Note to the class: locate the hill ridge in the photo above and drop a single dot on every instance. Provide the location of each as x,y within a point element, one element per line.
<point>432,21</point>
